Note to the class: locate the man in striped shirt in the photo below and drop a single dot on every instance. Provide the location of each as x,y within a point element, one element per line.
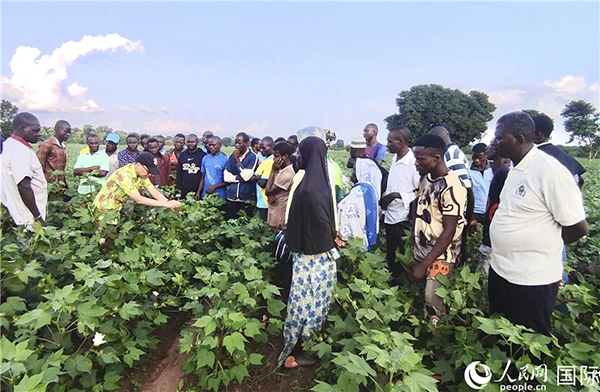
<point>457,161</point>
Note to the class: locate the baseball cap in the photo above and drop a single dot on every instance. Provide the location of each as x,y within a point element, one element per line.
<point>358,142</point>
<point>148,160</point>
<point>113,137</point>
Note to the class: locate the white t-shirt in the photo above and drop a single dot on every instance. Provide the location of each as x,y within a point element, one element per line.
<point>18,162</point>
<point>404,179</point>
<point>538,198</point>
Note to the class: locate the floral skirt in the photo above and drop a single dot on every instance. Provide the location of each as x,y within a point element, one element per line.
<point>311,295</point>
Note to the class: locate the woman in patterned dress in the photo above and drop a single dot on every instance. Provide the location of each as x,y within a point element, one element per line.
<point>310,235</point>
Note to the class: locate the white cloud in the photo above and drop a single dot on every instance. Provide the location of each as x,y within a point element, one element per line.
<point>76,90</point>
<point>384,108</point>
<point>164,109</point>
<point>125,108</point>
<point>145,109</point>
<point>568,85</point>
<point>549,96</point>
<point>37,80</point>
<point>255,129</point>
<point>508,97</point>
<point>170,127</point>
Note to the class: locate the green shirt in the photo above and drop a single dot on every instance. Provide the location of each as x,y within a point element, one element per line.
<point>91,183</point>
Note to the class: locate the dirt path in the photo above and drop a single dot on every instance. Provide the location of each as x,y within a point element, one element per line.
<point>166,375</point>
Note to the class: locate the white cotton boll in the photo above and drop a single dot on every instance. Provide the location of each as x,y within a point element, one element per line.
<point>99,339</point>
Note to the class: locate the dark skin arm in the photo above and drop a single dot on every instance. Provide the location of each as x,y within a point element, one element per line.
<point>440,246</point>
<point>272,189</point>
<point>387,199</point>
<point>470,210</point>
<point>83,170</point>
<point>200,187</point>
<point>571,234</point>
<point>28,197</point>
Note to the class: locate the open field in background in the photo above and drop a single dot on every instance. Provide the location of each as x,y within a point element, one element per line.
<point>188,302</point>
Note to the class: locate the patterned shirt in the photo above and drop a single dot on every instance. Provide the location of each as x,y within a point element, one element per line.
<point>457,162</point>
<point>53,157</point>
<point>114,192</point>
<point>126,157</point>
<point>443,196</point>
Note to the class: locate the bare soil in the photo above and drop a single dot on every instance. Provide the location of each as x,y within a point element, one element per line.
<point>163,372</point>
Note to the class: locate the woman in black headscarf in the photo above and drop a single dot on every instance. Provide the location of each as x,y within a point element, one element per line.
<point>310,235</point>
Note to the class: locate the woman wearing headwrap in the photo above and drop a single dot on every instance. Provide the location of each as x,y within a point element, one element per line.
<point>310,234</point>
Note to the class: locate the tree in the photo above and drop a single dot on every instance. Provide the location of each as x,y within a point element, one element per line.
<point>339,145</point>
<point>532,113</point>
<point>582,122</point>
<point>425,106</point>
<point>8,112</point>
<point>227,141</point>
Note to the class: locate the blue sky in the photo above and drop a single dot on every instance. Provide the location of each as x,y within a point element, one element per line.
<point>273,68</point>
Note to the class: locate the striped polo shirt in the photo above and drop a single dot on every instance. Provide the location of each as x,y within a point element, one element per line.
<point>457,162</point>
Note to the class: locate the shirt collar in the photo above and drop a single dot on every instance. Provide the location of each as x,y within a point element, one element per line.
<point>526,161</point>
<point>406,158</point>
<point>54,140</point>
<point>544,143</point>
<point>21,140</point>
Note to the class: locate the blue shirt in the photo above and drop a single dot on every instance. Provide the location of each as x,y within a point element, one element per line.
<point>481,187</point>
<point>213,167</point>
<point>376,152</point>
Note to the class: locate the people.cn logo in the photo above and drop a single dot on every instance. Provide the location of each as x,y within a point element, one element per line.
<point>474,379</point>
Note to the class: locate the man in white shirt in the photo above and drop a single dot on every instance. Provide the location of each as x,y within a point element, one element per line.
<point>24,186</point>
<point>540,210</point>
<point>403,180</point>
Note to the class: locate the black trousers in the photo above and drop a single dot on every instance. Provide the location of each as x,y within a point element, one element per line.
<point>530,306</point>
<point>233,207</point>
<point>264,213</point>
<point>393,237</point>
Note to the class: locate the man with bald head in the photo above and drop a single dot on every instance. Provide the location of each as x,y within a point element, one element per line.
<point>457,161</point>
<point>52,153</point>
<point>402,182</point>
<point>375,150</point>
<point>540,209</point>
<point>24,186</point>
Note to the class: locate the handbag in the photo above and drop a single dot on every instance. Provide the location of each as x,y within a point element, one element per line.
<point>282,252</point>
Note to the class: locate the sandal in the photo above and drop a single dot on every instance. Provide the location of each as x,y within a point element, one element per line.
<point>293,362</point>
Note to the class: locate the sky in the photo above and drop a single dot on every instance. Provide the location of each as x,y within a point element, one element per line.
<point>273,68</point>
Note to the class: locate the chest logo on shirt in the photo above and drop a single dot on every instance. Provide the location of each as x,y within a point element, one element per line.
<point>521,189</point>
<point>191,168</point>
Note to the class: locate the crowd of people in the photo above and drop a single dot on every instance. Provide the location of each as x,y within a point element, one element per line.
<point>521,191</point>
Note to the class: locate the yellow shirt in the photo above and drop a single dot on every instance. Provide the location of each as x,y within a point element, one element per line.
<point>264,171</point>
<point>122,182</point>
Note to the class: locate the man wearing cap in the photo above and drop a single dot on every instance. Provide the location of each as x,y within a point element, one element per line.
<point>94,163</point>
<point>128,182</point>
<point>112,139</point>
<point>365,169</point>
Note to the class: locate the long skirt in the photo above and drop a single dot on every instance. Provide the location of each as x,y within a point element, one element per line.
<point>313,280</point>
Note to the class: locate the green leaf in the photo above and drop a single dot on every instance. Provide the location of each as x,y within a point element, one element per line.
<point>255,359</point>
<point>130,309</point>
<point>323,387</point>
<point>239,372</point>
<point>275,307</point>
<point>111,381</point>
<point>420,382</point>
<point>13,305</point>
<point>133,355</point>
<point>83,364</point>
<point>38,316</point>
<point>31,384</point>
<point>234,341</point>
<point>252,329</point>
<point>354,364</point>
<point>155,277</point>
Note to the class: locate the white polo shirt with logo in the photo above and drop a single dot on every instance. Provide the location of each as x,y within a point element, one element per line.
<point>19,161</point>
<point>539,197</point>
